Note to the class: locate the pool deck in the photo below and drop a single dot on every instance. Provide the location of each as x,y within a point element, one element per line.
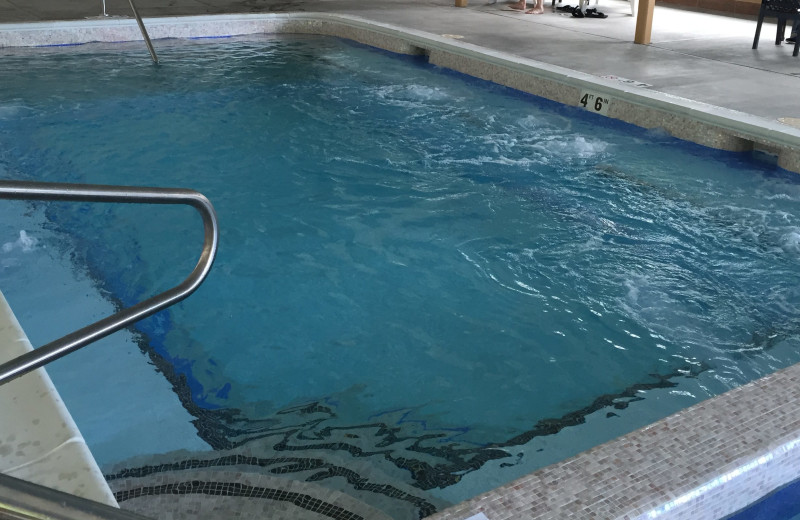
<point>713,458</point>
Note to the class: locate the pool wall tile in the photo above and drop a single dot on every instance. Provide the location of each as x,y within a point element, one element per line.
<point>42,444</point>
<point>789,159</point>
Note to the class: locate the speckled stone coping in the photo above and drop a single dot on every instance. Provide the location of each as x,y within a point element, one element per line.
<point>39,441</point>
<point>705,462</point>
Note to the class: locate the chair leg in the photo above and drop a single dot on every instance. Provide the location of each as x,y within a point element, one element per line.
<point>781,32</point>
<point>796,46</point>
<point>758,30</point>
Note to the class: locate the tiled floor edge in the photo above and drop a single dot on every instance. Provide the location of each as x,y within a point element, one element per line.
<point>39,441</point>
<point>703,463</point>
<point>694,121</point>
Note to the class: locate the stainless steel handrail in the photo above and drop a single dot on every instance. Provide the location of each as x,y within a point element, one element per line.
<point>144,32</point>
<point>21,190</point>
<point>23,500</point>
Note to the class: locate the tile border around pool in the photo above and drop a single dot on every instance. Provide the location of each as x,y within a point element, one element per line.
<point>705,462</point>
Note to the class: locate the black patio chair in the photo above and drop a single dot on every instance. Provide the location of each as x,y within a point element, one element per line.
<point>784,10</point>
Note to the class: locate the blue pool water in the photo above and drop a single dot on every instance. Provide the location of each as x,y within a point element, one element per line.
<point>468,273</point>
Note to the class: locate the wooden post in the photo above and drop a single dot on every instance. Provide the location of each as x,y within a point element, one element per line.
<point>461,3</point>
<point>644,21</point>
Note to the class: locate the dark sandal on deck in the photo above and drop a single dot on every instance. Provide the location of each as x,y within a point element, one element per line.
<point>594,13</point>
<point>577,13</point>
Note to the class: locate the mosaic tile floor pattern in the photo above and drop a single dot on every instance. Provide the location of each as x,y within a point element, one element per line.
<point>213,494</point>
<point>242,483</point>
<point>300,464</point>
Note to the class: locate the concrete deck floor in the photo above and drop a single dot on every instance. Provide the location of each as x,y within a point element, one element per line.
<point>700,56</point>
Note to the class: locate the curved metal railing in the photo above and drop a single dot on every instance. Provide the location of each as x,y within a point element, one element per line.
<point>22,190</point>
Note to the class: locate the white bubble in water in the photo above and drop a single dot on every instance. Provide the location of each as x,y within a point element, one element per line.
<point>791,241</point>
<point>586,148</point>
<point>25,242</point>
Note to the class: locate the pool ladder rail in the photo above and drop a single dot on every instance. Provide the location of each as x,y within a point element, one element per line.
<point>144,32</point>
<point>141,28</point>
<point>21,500</point>
<point>23,190</point>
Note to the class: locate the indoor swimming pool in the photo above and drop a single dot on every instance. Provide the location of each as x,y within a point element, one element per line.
<point>425,282</point>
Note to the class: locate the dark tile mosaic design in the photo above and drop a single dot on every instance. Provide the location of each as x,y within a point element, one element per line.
<point>230,489</point>
<point>281,466</point>
<point>304,429</point>
<point>306,443</point>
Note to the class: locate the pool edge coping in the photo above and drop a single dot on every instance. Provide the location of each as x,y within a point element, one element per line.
<point>43,444</point>
<point>748,473</point>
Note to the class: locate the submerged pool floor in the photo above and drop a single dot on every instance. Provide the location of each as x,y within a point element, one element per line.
<point>420,274</point>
